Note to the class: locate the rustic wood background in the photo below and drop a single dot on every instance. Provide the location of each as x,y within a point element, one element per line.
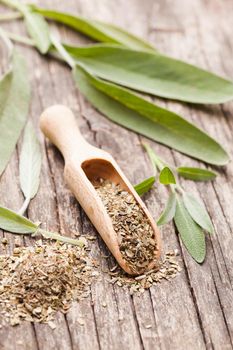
<point>195,310</point>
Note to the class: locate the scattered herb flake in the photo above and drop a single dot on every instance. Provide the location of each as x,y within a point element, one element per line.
<point>38,281</point>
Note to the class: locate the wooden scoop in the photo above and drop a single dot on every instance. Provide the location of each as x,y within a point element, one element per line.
<point>84,164</point>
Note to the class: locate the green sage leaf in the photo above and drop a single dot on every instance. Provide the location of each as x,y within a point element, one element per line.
<point>97,30</point>
<point>145,185</point>
<point>30,163</point>
<point>35,24</point>
<point>13,222</point>
<point>14,104</point>
<point>55,236</point>
<point>128,109</point>
<point>37,29</point>
<point>152,157</point>
<point>166,176</point>
<point>197,210</point>
<point>196,174</point>
<point>5,85</point>
<point>191,234</point>
<point>169,211</point>
<point>153,73</point>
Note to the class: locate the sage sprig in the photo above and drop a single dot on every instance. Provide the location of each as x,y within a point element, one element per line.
<point>136,64</point>
<point>11,221</point>
<point>128,109</point>
<point>132,111</point>
<point>189,213</point>
<point>149,71</point>
<point>29,166</point>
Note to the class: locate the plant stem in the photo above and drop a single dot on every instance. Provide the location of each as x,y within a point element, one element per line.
<point>155,160</point>
<point>24,206</point>
<point>26,41</point>
<point>62,51</point>
<point>160,163</point>
<point>173,188</point>
<point>60,238</point>
<point>19,39</point>
<point>13,4</point>
<point>179,188</point>
<point>7,41</point>
<point>10,16</point>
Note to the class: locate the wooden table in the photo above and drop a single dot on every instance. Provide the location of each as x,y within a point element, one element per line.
<point>195,310</point>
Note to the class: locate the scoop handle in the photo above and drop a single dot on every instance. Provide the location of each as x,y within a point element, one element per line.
<point>59,125</point>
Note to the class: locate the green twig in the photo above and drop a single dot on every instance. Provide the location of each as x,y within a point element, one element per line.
<point>7,41</point>
<point>160,164</point>
<point>179,188</point>
<point>19,39</point>
<point>62,51</point>
<point>155,159</point>
<point>13,4</point>
<point>10,16</point>
<point>24,206</point>
<point>173,188</point>
<point>60,238</point>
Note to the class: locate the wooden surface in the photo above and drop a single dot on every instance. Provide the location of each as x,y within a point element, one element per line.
<point>195,310</point>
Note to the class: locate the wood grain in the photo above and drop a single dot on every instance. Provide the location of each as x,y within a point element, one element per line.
<point>195,310</point>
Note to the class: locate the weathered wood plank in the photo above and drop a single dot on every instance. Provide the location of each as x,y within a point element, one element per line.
<point>14,338</point>
<point>194,311</point>
<point>209,296</point>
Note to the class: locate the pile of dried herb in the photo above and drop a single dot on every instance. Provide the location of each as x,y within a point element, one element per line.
<point>167,270</point>
<point>135,235</point>
<point>35,282</point>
